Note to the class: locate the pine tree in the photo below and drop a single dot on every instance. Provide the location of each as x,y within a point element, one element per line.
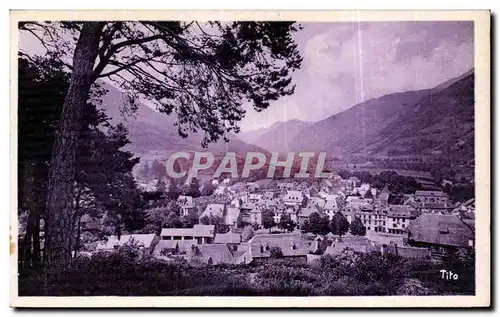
<point>245,61</point>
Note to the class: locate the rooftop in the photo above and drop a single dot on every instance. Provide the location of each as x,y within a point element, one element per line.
<point>213,254</point>
<point>196,231</point>
<point>431,193</point>
<point>112,241</point>
<point>440,229</point>
<point>229,237</point>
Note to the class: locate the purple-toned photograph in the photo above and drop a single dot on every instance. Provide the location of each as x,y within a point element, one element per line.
<point>246,158</point>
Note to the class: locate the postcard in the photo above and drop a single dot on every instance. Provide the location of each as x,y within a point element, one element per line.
<point>250,159</point>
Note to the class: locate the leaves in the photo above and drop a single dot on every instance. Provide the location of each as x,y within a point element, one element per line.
<point>339,224</point>
<point>201,72</point>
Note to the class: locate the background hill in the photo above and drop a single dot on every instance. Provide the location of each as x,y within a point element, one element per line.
<point>438,120</point>
<point>441,123</point>
<point>252,135</point>
<point>279,136</point>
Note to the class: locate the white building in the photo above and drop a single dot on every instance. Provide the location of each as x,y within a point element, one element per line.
<point>293,197</point>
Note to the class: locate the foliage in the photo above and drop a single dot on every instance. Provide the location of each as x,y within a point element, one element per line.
<point>194,188</point>
<point>189,220</point>
<point>103,178</point>
<point>127,273</point>
<point>208,189</point>
<point>339,224</point>
<point>205,220</point>
<point>217,221</point>
<point>158,170</point>
<point>276,252</point>
<point>368,194</point>
<point>174,191</point>
<point>357,228</point>
<point>247,233</point>
<point>268,219</point>
<point>317,224</point>
<point>286,223</point>
<point>235,62</point>
<point>460,192</point>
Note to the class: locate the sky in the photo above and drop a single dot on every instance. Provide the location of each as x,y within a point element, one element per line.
<point>346,63</point>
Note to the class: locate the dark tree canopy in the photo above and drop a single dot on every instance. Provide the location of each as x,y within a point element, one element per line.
<point>339,224</point>
<point>201,72</point>
<point>286,223</point>
<point>317,224</point>
<point>268,219</point>
<point>357,228</point>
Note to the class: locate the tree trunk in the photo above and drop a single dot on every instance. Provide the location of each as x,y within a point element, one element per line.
<point>78,221</point>
<point>58,233</point>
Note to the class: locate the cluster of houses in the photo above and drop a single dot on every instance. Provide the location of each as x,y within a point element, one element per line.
<point>425,221</point>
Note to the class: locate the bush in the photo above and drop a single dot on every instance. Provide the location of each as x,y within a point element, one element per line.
<point>276,252</point>
<point>125,273</point>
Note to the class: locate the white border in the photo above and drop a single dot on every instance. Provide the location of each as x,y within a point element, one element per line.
<point>482,133</point>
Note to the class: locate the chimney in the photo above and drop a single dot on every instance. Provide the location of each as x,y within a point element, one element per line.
<point>293,246</point>
<point>261,248</point>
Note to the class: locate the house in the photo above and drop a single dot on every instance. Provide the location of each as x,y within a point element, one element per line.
<point>434,230</point>
<point>239,186</point>
<point>146,242</point>
<point>353,182</point>
<point>398,218</point>
<point>285,186</point>
<point>317,201</point>
<point>331,208</point>
<point>366,213</point>
<point>319,245</point>
<point>435,207</point>
<point>465,210</point>
<point>269,195</point>
<point>292,245</point>
<point>231,239</point>
<point>231,216</point>
<point>357,244</point>
<point>173,247</point>
<point>214,254</point>
<point>213,210</point>
<point>255,198</point>
<point>186,204</point>
<point>363,189</point>
<point>293,197</point>
<point>354,199</point>
<point>431,196</point>
<point>255,216</point>
<point>383,197</point>
<point>305,212</point>
<point>201,233</point>
<point>331,197</point>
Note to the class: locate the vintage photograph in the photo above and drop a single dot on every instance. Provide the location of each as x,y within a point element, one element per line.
<point>280,158</point>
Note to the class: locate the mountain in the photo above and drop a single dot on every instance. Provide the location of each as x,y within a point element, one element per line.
<point>153,135</point>
<point>438,120</point>
<point>351,130</point>
<point>279,136</point>
<point>252,135</point>
<point>441,123</point>
<point>455,79</point>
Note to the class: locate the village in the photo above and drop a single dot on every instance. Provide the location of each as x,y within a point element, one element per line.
<point>252,222</point>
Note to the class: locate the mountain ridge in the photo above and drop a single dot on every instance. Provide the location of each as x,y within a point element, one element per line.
<point>373,126</point>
